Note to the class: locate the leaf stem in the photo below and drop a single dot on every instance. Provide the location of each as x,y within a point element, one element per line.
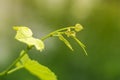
<point>15,69</point>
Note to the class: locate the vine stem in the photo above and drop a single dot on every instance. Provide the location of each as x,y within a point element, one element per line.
<point>50,34</point>
<point>9,68</point>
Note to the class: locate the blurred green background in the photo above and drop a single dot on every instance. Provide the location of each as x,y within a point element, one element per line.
<point>101,35</point>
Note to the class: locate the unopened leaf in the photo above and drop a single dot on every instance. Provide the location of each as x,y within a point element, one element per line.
<point>24,34</point>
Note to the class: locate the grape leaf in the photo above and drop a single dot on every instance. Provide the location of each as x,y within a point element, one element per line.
<point>36,69</point>
<point>24,34</point>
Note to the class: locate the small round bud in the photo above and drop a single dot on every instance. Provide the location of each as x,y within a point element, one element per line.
<point>78,27</point>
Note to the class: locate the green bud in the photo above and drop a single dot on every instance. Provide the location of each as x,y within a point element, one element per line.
<point>78,27</point>
<point>70,33</point>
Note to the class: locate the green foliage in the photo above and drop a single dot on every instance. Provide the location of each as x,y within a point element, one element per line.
<point>25,35</point>
<point>36,68</point>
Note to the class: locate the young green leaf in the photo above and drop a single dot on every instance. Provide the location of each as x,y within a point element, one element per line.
<point>24,34</point>
<point>35,68</point>
<point>65,41</point>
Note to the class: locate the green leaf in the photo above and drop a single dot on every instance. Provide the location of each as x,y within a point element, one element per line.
<point>35,68</point>
<point>81,44</point>
<point>65,41</point>
<point>24,34</point>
